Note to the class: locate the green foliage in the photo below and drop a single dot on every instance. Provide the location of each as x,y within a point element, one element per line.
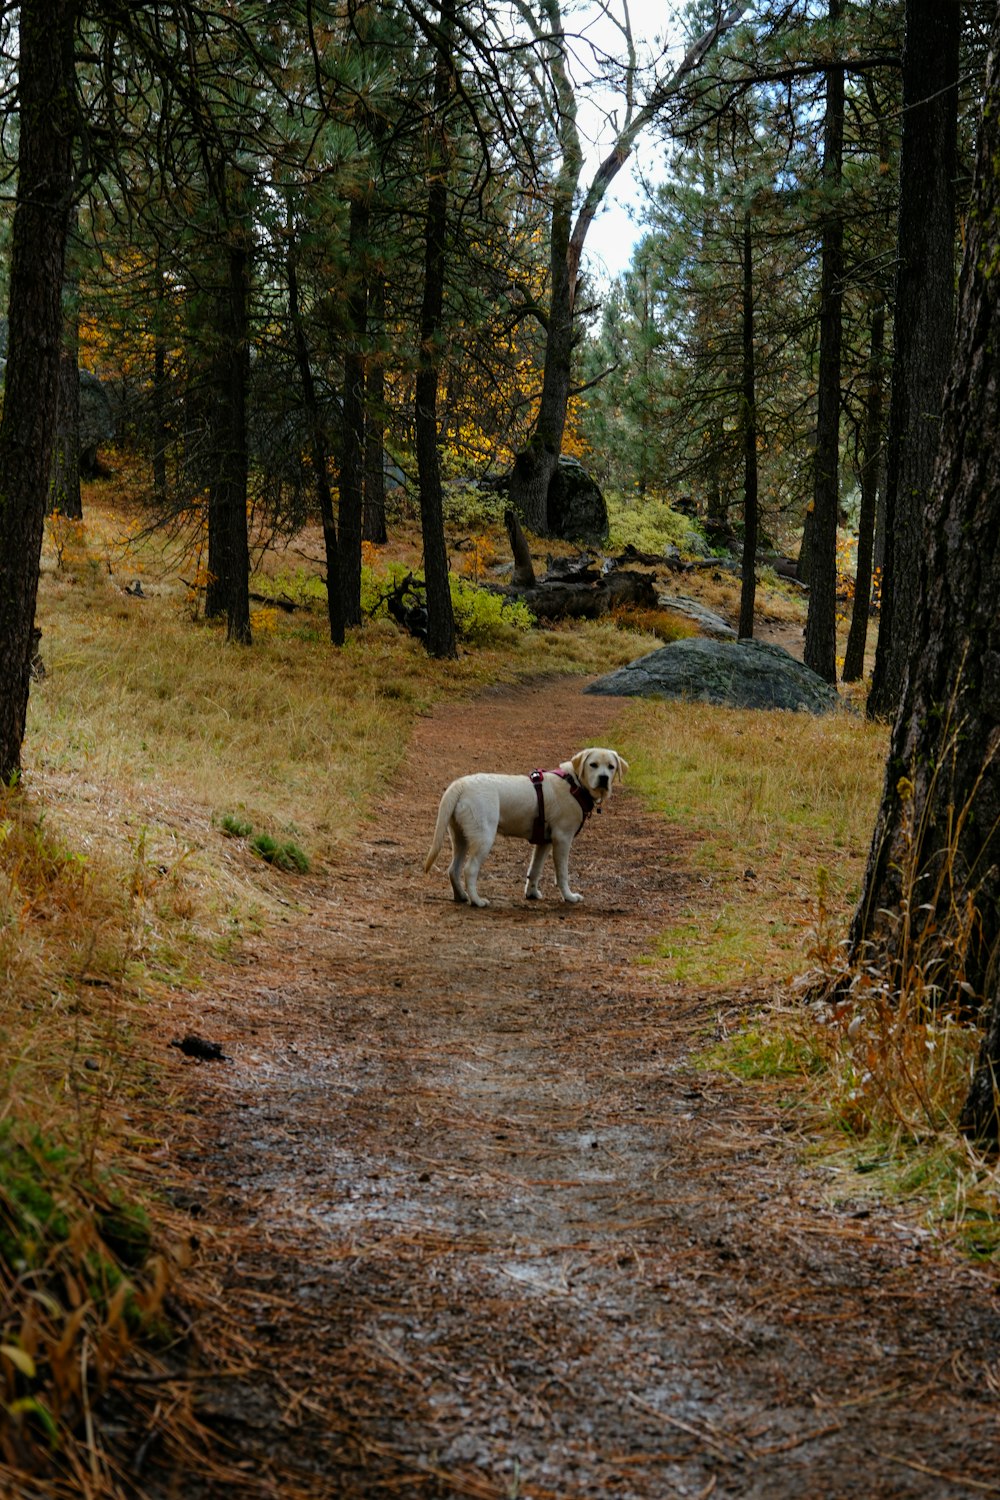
<point>763,1052</point>
<point>468,504</point>
<point>286,854</point>
<point>236,827</point>
<point>45,1193</point>
<point>483,618</point>
<point>650,524</point>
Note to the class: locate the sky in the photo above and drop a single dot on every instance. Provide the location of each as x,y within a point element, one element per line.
<point>619,225</point>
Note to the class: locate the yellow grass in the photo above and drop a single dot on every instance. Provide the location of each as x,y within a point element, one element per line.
<point>778,809</point>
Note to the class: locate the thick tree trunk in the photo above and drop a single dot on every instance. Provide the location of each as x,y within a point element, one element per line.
<point>821,620</point>
<point>440,616</point>
<point>536,464</point>
<point>229,548</point>
<point>931,896</point>
<point>352,441</point>
<point>48,125</point>
<point>64,484</point>
<point>160,425</point>
<point>924,326</point>
<point>373,526</point>
<point>320,457</point>
<point>854,656</point>
<point>748,590</point>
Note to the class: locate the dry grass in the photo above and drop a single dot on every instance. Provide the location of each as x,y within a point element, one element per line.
<point>120,887</point>
<point>781,808</point>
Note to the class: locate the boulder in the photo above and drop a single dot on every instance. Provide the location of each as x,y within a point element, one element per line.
<point>577,512</point>
<point>737,674</point>
<point>707,621</point>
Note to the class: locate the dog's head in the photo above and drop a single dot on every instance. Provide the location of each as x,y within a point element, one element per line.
<point>596,769</point>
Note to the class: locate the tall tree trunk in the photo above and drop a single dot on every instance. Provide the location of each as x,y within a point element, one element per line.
<point>373,527</point>
<point>440,616</point>
<point>229,563</point>
<point>572,214</point>
<point>748,417</point>
<point>930,903</point>
<point>536,464</point>
<point>64,483</point>
<point>925,276</point>
<point>48,126</point>
<point>854,656</point>
<point>161,431</point>
<point>821,620</point>
<point>320,457</point>
<point>352,442</point>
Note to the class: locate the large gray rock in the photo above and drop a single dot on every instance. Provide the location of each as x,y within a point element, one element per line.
<point>577,510</point>
<point>738,674</point>
<point>707,621</point>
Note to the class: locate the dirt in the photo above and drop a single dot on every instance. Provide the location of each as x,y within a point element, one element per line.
<point>480,1227</point>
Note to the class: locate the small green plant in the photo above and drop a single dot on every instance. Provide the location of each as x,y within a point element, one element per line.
<point>236,827</point>
<point>286,855</point>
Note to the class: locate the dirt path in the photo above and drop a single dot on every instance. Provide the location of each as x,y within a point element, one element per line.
<point>485,1234</point>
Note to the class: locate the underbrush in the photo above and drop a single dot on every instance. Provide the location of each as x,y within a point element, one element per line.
<point>873,1066</point>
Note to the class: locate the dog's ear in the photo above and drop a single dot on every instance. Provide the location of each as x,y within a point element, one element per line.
<point>578,761</point>
<point>622,766</point>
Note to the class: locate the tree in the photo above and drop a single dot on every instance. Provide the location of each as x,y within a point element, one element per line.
<point>572,212</point>
<point>821,620</point>
<point>931,896</point>
<point>440,618</point>
<point>49,124</point>
<point>924,312</point>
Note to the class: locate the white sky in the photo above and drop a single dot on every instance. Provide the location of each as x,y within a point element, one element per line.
<point>615,231</point>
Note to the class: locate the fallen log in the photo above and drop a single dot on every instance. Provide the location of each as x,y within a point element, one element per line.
<point>587,598</point>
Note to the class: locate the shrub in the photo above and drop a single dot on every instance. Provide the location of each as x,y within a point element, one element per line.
<point>286,855</point>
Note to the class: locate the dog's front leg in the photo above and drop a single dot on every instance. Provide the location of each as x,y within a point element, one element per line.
<point>532,890</point>
<point>560,854</point>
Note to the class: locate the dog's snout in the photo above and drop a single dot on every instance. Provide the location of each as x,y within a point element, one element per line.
<point>604,779</point>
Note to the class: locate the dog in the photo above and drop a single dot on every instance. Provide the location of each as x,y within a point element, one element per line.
<point>474,809</point>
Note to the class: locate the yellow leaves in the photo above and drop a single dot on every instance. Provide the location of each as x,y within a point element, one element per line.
<point>20,1359</point>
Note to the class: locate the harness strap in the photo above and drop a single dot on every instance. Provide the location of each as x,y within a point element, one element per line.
<point>578,792</point>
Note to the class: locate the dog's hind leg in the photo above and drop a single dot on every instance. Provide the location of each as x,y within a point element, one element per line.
<point>532,890</point>
<point>479,847</point>
<point>460,848</point>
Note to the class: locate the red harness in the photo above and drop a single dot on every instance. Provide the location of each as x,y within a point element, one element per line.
<point>539,833</point>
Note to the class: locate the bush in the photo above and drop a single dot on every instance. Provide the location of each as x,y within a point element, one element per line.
<point>482,618</point>
<point>651,525</point>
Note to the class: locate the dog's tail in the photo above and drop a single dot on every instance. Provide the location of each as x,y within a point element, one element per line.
<point>445,811</point>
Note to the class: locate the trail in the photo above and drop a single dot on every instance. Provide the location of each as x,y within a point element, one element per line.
<point>485,1232</point>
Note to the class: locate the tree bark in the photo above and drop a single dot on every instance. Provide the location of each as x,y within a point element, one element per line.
<point>821,619</point>
<point>352,441</point>
<point>924,312</point>
<point>748,589</point>
<point>373,526</point>
<point>931,897</point>
<point>320,458</point>
<point>229,547</point>
<point>64,484</point>
<point>440,616</point>
<point>854,656</point>
<point>47,132</point>
<point>571,218</point>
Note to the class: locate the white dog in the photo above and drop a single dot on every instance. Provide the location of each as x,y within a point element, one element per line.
<point>548,808</point>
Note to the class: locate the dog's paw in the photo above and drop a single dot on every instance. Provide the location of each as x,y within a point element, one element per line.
<point>572,897</point>
<point>532,893</point>
<point>478,901</point>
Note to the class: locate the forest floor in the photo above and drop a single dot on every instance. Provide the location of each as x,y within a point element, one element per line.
<point>480,1225</point>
